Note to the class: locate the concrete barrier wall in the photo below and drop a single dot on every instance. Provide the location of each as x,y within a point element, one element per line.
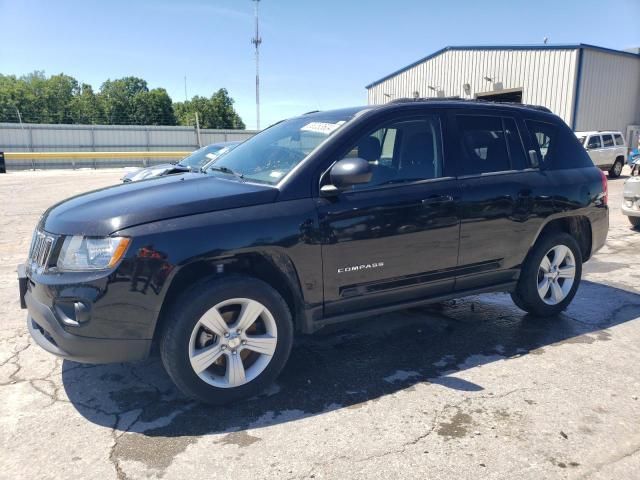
<point>103,138</point>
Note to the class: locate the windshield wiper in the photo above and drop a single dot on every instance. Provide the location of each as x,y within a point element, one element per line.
<point>226,170</point>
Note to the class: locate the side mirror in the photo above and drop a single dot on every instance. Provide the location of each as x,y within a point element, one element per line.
<point>345,173</point>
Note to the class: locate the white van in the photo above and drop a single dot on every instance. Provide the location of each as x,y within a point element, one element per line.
<point>607,150</point>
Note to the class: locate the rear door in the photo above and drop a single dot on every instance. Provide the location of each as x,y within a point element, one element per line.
<point>608,149</point>
<point>395,238</point>
<point>504,196</point>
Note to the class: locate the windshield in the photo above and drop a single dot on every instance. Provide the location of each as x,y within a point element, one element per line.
<point>271,154</point>
<point>200,157</point>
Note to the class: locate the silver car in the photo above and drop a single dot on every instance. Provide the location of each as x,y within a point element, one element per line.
<point>194,162</point>
<point>631,195</point>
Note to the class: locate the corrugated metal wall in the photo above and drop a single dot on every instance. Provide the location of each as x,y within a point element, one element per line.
<point>547,77</point>
<point>609,92</point>
<point>104,138</point>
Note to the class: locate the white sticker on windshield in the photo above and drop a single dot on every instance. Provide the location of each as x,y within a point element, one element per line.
<point>322,127</point>
<point>211,156</point>
<point>276,174</point>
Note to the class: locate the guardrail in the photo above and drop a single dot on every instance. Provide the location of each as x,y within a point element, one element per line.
<point>33,157</point>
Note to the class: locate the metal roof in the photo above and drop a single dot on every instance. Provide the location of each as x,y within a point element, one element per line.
<point>575,46</point>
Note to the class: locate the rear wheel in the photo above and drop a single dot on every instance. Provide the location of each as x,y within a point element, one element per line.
<point>550,276</point>
<point>635,221</point>
<point>616,169</point>
<point>227,339</point>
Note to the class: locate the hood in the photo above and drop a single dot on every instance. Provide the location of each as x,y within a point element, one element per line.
<point>154,171</point>
<point>105,211</point>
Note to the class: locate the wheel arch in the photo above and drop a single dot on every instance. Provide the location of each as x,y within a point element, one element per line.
<point>274,268</point>
<point>578,226</point>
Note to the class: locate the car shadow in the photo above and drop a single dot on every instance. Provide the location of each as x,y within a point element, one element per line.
<point>352,364</point>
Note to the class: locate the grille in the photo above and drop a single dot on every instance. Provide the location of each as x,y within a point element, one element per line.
<point>41,248</point>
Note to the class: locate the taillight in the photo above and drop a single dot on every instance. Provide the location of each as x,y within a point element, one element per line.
<point>605,188</point>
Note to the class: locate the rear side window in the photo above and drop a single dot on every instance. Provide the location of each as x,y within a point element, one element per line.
<point>607,141</point>
<point>619,139</point>
<point>594,142</point>
<point>484,146</point>
<point>557,145</point>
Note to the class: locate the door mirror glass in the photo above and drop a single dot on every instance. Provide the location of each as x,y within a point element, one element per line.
<point>350,171</point>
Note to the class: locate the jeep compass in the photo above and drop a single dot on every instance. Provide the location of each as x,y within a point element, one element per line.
<point>319,219</point>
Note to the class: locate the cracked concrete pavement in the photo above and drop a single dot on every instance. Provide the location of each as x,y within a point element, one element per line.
<point>466,389</point>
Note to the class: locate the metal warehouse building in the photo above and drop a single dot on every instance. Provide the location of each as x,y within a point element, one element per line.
<point>591,88</point>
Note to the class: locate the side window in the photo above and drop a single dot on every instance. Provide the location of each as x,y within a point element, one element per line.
<point>594,142</point>
<point>403,151</point>
<point>544,137</point>
<point>607,141</point>
<point>484,146</point>
<point>619,139</point>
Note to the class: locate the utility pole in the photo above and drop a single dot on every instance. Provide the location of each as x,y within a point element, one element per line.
<point>185,89</point>
<point>198,131</point>
<point>256,41</point>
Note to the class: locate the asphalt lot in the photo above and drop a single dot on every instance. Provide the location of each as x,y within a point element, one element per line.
<point>468,389</point>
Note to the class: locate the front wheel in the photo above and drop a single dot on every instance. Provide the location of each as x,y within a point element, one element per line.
<point>550,276</point>
<point>226,339</point>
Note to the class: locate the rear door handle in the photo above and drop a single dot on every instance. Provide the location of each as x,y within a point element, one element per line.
<point>437,199</point>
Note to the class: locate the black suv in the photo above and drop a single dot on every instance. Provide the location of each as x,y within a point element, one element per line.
<point>319,219</point>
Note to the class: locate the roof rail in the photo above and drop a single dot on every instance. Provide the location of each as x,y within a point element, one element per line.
<point>469,100</point>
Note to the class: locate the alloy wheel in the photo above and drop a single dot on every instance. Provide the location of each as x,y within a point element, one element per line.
<point>233,342</point>
<point>556,274</point>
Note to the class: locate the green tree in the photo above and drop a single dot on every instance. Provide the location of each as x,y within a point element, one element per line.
<point>117,97</point>
<point>214,112</point>
<point>153,108</point>
<point>124,101</point>
<point>87,107</point>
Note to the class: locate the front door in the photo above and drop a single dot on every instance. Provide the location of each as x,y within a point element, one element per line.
<point>395,238</point>
<point>594,147</point>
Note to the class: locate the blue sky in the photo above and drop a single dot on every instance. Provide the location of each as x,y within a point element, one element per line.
<point>316,54</point>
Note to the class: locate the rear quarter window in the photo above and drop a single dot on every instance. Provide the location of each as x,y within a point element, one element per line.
<point>557,146</point>
<point>619,139</point>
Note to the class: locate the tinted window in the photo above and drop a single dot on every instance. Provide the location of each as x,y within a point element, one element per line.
<point>484,147</point>
<point>557,145</point>
<point>607,140</point>
<point>516,149</point>
<point>594,142</point>
<point>403,151</point>
<point>619,140</point>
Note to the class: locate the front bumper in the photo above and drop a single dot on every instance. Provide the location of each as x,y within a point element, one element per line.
<point>99,337</point>
<point>631,197</point>
<point>45,329</point>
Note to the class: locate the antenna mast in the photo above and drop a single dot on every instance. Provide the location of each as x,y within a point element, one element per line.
<point>256,41</point>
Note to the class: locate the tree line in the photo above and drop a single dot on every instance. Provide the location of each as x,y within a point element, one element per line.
<point>36,98</point>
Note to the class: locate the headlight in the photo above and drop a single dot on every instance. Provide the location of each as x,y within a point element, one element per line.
<point>91,253</point>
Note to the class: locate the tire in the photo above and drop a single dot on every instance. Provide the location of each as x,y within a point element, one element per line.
<point>558,292</point>
<point>192,338</point>
<point>635,221</point>
<point>616,169</point>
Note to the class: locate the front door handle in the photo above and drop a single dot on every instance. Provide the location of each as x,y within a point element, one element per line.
<point>437,199</point>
